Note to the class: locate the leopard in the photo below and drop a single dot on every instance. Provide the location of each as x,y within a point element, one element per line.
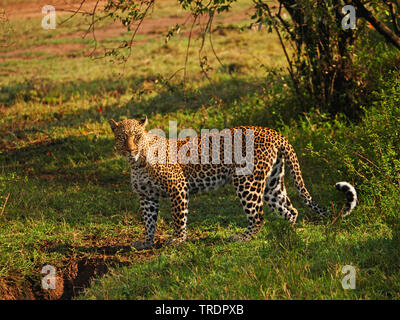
<point>159,169</point>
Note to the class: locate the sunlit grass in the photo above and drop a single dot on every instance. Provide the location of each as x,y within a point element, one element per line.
<point>69,194</point>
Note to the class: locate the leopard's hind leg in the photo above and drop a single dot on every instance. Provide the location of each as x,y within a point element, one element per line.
<point>275,194</point>
<point>250,191</point>
<point>180,209</point>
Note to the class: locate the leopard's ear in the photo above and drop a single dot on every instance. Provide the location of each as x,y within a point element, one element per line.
<point>113,124</point>
<point>143,122</point>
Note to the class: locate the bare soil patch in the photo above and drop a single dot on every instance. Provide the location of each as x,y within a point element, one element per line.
<point>150,27</point>
<point>33,8</point>
<point>69,282</point>
<point>75,275</point>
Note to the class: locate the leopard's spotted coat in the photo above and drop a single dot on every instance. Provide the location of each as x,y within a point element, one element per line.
<point>166,178</point>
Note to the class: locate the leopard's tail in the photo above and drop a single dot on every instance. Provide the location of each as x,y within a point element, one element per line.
<point>291,159</point>
<point>351,196</point>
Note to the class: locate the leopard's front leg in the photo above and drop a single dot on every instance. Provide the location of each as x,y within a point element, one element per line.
<point>180,209</point>
<point>149,208</point>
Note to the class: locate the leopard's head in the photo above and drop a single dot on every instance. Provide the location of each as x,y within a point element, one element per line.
<point>129,135</point>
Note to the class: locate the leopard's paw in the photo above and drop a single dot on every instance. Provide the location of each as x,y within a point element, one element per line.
<point>238,237</point>
<point>141,245</point>
<point>174,241</point>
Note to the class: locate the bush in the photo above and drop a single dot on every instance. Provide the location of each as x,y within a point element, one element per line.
<point>369,150</point>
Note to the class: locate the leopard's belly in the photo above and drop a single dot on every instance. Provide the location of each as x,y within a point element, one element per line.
<point>203,180</point>
<point>209,183</point>
<point>197,181</point>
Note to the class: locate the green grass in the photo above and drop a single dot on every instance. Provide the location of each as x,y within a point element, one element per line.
<point>66,194</point>
<point>281,263</point>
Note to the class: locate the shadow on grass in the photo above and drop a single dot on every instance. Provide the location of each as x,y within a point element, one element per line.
<point>102,250</point>
<point>88,156</point>
<point>81,156</point>
<point>72,157</point>
<point>170,98</point>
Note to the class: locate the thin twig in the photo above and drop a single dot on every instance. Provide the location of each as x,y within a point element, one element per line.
<point>173,75</point>
<point>151,3</point>
<point>365,158</point>
<point>4,205</point>
<point>93,28</point>
<point>187,49</point>
<point>283,47</point>
<point>75,12</point>
<point>212,45</point>
<point>336,216</point>
<point>207,28</point>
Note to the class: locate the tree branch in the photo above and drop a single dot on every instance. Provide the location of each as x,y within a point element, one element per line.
<point>389,35</point>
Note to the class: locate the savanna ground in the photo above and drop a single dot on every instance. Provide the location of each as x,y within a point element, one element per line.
<point>65,198</point>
